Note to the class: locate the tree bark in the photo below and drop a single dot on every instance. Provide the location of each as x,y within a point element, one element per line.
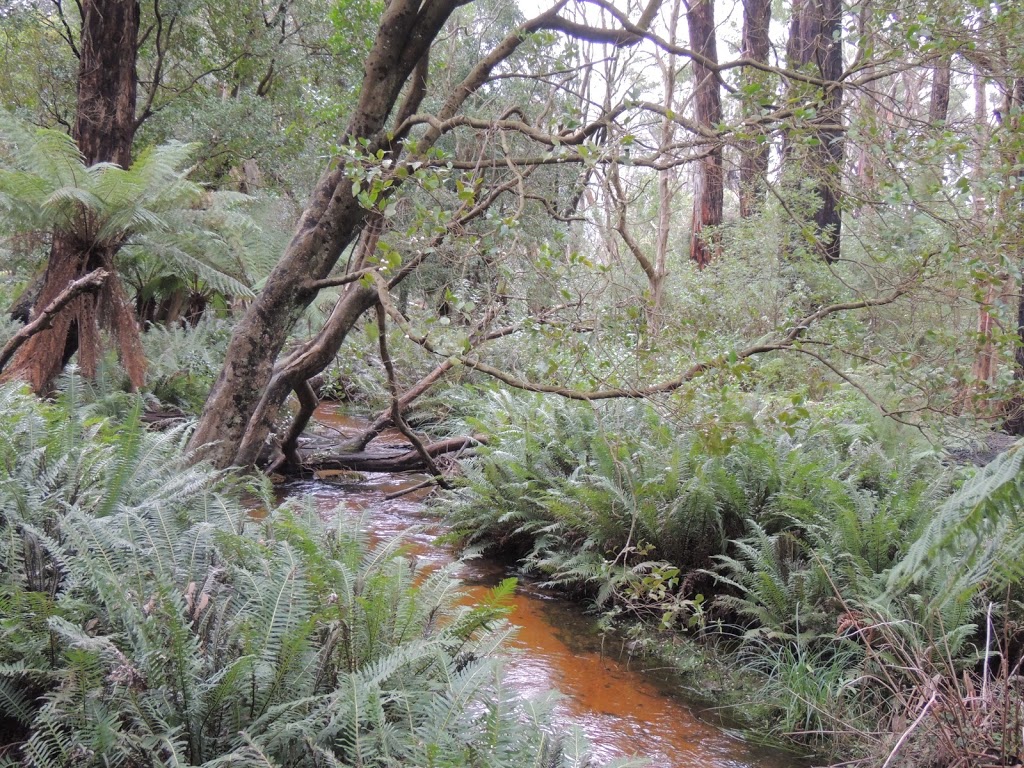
<point>757,17</point>
<point>331,220</point>
<point>242,408</point>
<point>104,130</point>
<point>938,103</point>
<point>984,368</point>
<point>91,282</point>
<point>397,461</point>
<point>708,192</point>
<point>815,42</point>
<point>1010,206</point>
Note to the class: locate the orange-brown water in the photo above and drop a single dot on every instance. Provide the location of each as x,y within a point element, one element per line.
<point>623,710</point>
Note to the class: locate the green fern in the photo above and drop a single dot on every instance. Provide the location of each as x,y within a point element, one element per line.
<point>146,619</point>
<point>167,226</point>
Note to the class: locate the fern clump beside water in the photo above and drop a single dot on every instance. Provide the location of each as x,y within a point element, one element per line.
<point>149,619</point>
<point>616,498</point>
<point>835,560</point>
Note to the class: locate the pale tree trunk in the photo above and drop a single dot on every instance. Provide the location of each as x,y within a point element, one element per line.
<point>666,183</point>
<point>757,17</point>
<point>867,105</point>
<point>815,44</point>
<point>104,130</point>
<point>709,189</point>
<point>984,368</point>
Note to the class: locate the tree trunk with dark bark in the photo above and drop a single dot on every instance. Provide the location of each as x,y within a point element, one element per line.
<point>815,46</point>
<point>938,103</point>
<point>757,17</point>
<point>708,193</point>
<point>1010,206</point>
<point>104,130</point>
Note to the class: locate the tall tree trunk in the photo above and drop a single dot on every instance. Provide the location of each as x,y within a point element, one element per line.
<point>757,17</point>
<point>708,194</point>
<point>666,182</point>
<point>104,130</point>
<point>938,103</point>
<point>1010,212</point>
<point>815,45</point>
<point>984,367</point>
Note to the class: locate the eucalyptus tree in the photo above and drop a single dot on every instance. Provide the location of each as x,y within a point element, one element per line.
<point>707,197</point>
<point>757,94</point>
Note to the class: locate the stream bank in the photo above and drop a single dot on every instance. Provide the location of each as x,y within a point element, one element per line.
<point>623,709</point>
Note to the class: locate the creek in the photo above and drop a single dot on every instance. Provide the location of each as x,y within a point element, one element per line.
<point>622,707</point>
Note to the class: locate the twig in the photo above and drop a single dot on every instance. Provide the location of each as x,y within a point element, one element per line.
<point>910,729</point>
<point>396,409</point>
<point>430,481</point>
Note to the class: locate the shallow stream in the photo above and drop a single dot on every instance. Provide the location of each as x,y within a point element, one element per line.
<point>623,708</point>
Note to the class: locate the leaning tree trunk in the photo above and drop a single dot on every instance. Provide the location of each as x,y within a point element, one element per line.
<point>104,130</point>
<point>708,195</point>
<point>330,222</point>
<point>242,407</point>
<point>757,17</point>
<point>815,46</point>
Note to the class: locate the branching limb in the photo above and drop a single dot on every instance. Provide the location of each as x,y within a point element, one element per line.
<point>785,342</point>
<point>396,409</point>
<point>478,336</point>
<point>308,401</point>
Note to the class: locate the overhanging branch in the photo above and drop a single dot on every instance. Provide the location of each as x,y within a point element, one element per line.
<point>88,284</point>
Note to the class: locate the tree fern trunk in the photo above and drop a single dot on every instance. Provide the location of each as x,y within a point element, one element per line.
<point>104,130</point>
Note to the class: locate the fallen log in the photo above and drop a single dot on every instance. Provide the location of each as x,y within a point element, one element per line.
<point>402,459</point>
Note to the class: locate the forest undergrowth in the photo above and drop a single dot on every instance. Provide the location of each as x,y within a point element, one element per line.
<point>148,617</point>
<point>871,585</point>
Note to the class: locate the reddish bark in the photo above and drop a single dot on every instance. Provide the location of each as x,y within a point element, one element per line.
<point>708,191</point>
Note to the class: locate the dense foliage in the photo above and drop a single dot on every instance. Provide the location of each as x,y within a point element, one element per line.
<point>731,297</point>
<point>152,618</point>
<point>832,557</point>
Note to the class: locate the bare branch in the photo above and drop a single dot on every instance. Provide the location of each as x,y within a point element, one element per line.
<point>91,282</point>
<point>396,408</point>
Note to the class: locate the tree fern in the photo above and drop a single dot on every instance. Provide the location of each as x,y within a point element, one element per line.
<point>165,224</point>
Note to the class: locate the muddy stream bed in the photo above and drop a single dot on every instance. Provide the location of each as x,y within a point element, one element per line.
<point>623,708</point>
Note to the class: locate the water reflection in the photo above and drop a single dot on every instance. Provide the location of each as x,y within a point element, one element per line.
<point>621,710</point>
